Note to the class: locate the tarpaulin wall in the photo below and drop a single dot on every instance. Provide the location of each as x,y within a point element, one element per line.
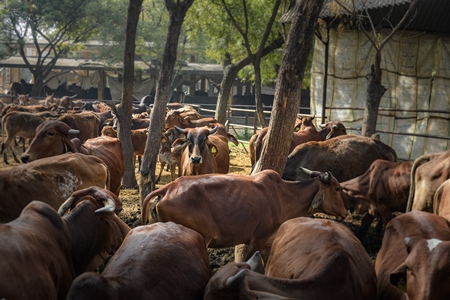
<point>416,73</point>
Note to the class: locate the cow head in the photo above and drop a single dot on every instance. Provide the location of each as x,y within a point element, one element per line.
<point>333,129</point>
<point>174,118</point>
<point>425,271</point>
<point>303,122</point>
<point>329,198</point>
<point>197,143</point>
<point>52,138</point>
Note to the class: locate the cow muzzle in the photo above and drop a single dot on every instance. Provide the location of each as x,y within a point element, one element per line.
<point>24,158</point>
<point>196,159</point>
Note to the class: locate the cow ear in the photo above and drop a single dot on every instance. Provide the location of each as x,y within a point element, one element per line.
<point>398,278</point>
<point>233,139</point>
<point>179,144</point>
<point>212,148</point>
<point>317,201</point>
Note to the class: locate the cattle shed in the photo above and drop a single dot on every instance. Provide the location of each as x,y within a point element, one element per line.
<point>414,113</point>
<point>97,75</point>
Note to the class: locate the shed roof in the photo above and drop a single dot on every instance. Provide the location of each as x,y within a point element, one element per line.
<point>430,16</point>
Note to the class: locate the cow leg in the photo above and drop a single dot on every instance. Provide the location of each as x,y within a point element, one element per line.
<point>139,162</point>
<point>160,172</point>
<point>5,158</point>
<point>15,157</point>
<point>172,171</point>
<point>365,224</point>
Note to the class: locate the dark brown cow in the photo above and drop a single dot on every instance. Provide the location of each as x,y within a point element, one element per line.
<point>384,186</point>
<point>309,259</point>
<point>50,180</point>
<point>229,208</point>
<point>52,138</point>
<point>87,123</point>
<point>428,173</point>
<point>204,152</point>
<point>138,140</point>
<point>414,259</point>
<point>177,250</point>
<point>310,133</point>
<point>45,252</point>
<point>167,156</point>
<point>21,124</point>
<point>346,156</point>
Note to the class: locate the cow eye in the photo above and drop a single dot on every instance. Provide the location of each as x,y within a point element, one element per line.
<point>50,133</point>
<point>338,189</point>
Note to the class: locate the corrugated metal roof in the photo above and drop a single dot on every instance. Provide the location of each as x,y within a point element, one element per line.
<point>430,16</point>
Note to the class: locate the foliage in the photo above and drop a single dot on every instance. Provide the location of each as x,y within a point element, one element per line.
<point>224,40</point>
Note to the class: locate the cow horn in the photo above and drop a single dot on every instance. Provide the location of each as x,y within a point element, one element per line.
<point>235,281</point>
<point>110,206</point>
<point>180,130</point>
<point>255,261</point>
<point>66,205</point>
<point>327,177</point>
<point>74,131</point>
<point>211,131</point>
<point>306,171</point>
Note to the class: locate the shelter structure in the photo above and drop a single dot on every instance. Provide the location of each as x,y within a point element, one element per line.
<point>414,113</point>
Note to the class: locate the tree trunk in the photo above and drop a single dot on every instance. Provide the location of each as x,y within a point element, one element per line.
<point>289,84</point>
<point>125,109</point>
<point>229,74</point>
<point>375,90</point>
<point>177,11</point>
<point>258,100</point>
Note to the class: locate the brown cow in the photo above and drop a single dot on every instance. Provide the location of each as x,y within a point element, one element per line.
<point>52,138</point>
<point>384,186</point>
<point>30,108</point>
<point>204,152</point>
<point>428,173</point>
<point>309,259</point>
<point>87,123</point>
<point>346,156</point>
<point>50,180</point>
<point>177,250</point>
<point>414,259</point>
<point>441,201</point>
<point>22,124</point>
<point>179,117</point>
<point>310,133</point>
<point>229,208</point>
<point>138,140</point>
<point>45,252</point>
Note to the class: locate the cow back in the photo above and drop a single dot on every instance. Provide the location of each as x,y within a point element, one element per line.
<point>346,156</point>
<point>51,180</point>
<point>87,123</point>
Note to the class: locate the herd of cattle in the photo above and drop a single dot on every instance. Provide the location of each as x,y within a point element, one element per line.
<point>60,213</point>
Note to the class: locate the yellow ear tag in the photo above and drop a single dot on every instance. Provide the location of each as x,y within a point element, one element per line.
<point>213,150</point>
<point>163,140</point>
<point>402,284</point>
<point>297,128</point>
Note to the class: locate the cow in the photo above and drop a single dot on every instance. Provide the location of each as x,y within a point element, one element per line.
<point>229,208</point>
<point>346,156</point>
<point>22,124</point>
<point>441,201</point>
<point>168,157</point>
<point>414,258</point>
<point>45,252</point>
<point>204,152</point>
<point>174,118</point>
<point>309,133</point>
<point>136,123</point>
<point>24,108</point>
<point>52,138</point>
<point>15,89</point>
<point>384,187</point>
<point>138,140</point>
<point>428,173</point>
<point>309,259</point>
<point>179,117</point>
<point>50,180</point>
<point>87,123</point>
<point>177,250</point>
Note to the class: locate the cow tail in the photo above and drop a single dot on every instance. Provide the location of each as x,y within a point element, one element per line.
<point>153,207</point>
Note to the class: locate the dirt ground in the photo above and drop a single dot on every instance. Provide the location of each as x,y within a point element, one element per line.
<point>239,164</point>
